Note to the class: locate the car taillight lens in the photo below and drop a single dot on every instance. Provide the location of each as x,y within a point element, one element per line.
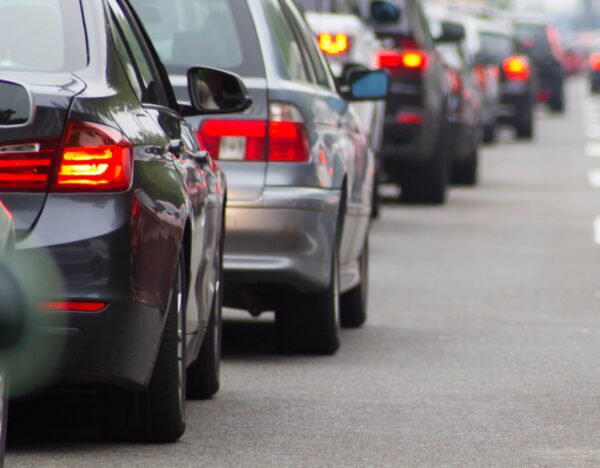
<point>455,81</point>
<point>397,61</point>
<point>73,306</point>
<point>27,166</point>
<point>94,158</point>
<point>288,140</point>
<point>595,61</point>
<point>234,140</point>
<point>516,69</point>
<point>334,44</point>
<point>481,76</point>
<point>282,139</point>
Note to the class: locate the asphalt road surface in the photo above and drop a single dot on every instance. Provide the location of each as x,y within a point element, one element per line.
<point>482,347</point>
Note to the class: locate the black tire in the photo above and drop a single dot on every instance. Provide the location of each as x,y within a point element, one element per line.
<point>427,183</point>
<point>3,415</point>
<point>355,303</point>
<point>466,172</point>
<point>557,101</point>
<point>203,375</point>
<point>524,129</point>
<point>157,413</point>
<point>489,134</point>
<point>310,324</point>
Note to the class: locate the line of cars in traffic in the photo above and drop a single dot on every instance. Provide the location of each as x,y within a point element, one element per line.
<point>172,157</point>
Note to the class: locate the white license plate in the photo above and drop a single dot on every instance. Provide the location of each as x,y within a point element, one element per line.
<point>232,148</point>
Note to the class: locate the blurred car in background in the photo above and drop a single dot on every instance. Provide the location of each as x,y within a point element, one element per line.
<point>413,152</point>
<point>465,100</point>
<point>594,72</point>
<point>101,172</point>
<point>299,167</point>
<point>574,61</point>
<point>541,43</point>
<point>498,49</point>
<point>349,42</point>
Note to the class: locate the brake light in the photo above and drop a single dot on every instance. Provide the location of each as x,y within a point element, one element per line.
<point>595,61</point>
<point>334,44</point>
<point>455,81</point>
<point>27,166</point>
<point>73,306</point>
<point>398,60</point>
<point>94,158</point>
<point>282,139</point>
<point>516,68</point>
<point>288,140</point>
<point>481,76</point>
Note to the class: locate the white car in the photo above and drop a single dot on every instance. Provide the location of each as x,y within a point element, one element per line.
<point>348,41</point>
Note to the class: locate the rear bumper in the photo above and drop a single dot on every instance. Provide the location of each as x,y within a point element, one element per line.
<point>516,102</point>
<point>98,259</point>
<point>284,239</point>
<point>117,346</point>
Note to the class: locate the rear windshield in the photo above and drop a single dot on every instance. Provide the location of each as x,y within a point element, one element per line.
<point>535,37</point>
<point>496,47</point>
<point>214,33</point>
<point>42,35</point>
<point>328,6</point>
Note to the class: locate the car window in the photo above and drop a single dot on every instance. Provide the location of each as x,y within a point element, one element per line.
<point>57,44</point>
<point>496,47</point>
<point>535,37</point>
<point>213,33</point>
<point>153,91</point>
<point>287,45</point>
<point>328,6</point>
<point>318,62</point>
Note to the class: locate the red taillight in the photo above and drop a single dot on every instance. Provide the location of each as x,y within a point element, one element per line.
<point>288,140</point>
<point>516,69</point>
<point>595,61</point>
<point>455,81</point>
<point>73,306</point>
<point>27,166</point>
<point>334,44</point>
<point>94,158</point>
<point>236,140</point>
<point>409,118</point>
<point>398,60</point>
<point>481,76</point>
<point>282,139</point>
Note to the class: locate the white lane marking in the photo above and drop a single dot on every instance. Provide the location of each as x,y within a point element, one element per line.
<point>592,132</point>
<point>597,230</point>
<point>593,150</point>
<point>594,178</point>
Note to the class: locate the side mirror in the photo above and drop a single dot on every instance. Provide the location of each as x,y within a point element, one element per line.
<point>214,91</point>
<point>384,12</point>
<point>349,68</point>
<point>367,85</point>
<point>451,32</point>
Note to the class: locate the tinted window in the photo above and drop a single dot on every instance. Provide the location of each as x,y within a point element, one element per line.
<point>496,47</point>
<point>152,90</point>
<point>215,33</point>
<point>535,37</point>
<point>290,51</point>
<point>42,35</point>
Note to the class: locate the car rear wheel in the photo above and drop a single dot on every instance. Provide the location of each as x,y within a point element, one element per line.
<point>489,134</point>
<point>310,323</point>
<point>525,128</point>
<point>466,172</point>
<point>354,305</point>
<point>557,101</point>
<point>157,413</point>
<point>427,183</point>
<point>203,375</point>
